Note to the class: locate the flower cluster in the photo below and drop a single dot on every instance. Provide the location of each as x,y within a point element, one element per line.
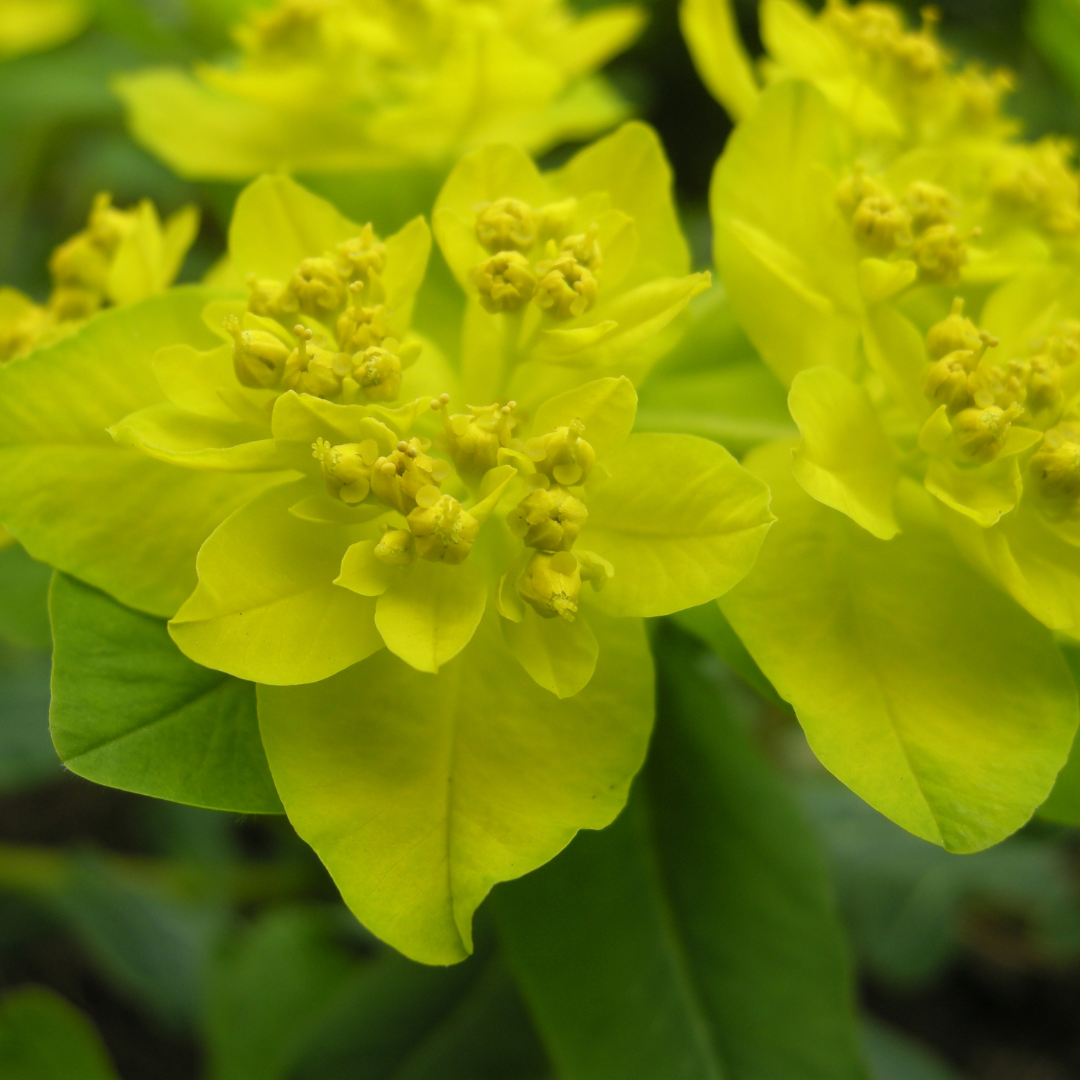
<point>348,84</point>
<point>121,256</point>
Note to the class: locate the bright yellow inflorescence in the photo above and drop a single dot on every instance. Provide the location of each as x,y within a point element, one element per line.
<point>534,260</point>
<point>340,346</point>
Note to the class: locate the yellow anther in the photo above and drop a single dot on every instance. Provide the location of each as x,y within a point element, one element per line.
<point>505,282</point>
<point>981,432</point>
<point>585,248</point>
<point>268,298</point>
<point>395,548</point>
<point>929,205</point>
<point>506,225</point>
<point>853,189</point>
<point>562,455</point>
<point>347,468</point>
<point>258,356</point>
<point>317,286</point>
<point>440,402</point>
<point>443,530</point>
<point>361,256</point>
<point>881,224</point>
<point>952,333</point>
<point>399,476</point>
<point>311,369</point>
<point>548,519</point>
<point>566,289</point>
<point>551,585</point>
<point>475,438</point>
<point>1056,466</point>
<point>940,252</point>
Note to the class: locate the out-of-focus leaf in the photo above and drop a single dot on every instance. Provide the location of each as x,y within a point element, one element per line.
<point>903,899</point>
<point>131,711</point>
<point>265,992</point>
<point>1063,803</point>
<point>24,599</point>
<point>1054,27</point>
<point>396,1020</point>
<point>153,949</point>
<point>695,937</point>
<point>892,1056</point>
<point>26,751</point>
<point>42,1037</point>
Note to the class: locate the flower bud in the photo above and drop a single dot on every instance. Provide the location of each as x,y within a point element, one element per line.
<point>940,252</point>
<point>361,255</point>
<point>549,519</point>
<point>981,432</point>
<point>474,440</point>
<point>551,585</point>
<point>929,205</point>
<point>396,548</point>
<point>317,286</point>
<point>313,370</point>
<point>881,224</point>
<point>399,476</point>
<point>378,371</point>
<point>505,282</point>
<point>360,327</point>
<point>853,189</point>
<point>506,225</point>
<point>269,298</point>
<point>70,302</point>
<point>347,468</point>
<point>1056,467</point>
<point>258,356</point>
<point>952,333</point>
<point>443,530</point>
<point>947,380</point>
<point>566,289</point>
<point>562,455</point>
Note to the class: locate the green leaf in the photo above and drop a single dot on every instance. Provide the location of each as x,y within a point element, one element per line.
<point>266,607</point>
<point>923,688</point>
<point>420,792</point>
<point>130,711</point>
<point>430,612</point>
<point>26,751</point>
<point>712,33</point>
<point>80,502</point>
<point>679,519</point>
<point>42,1037</point>
<point>845,459</point>
<point>267,991</point>
<point>559,655</point>
<point>24,599</point>
<point>696,937</point>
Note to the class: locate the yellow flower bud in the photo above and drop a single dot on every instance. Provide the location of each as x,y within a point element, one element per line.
<point>881,225</point>
<point>317,286</point>
<point>853,189</point>
<point>360,327</point>
<point>505,282</point>
<point>952,333</point>
<point>947,380</point>
<point>400,475</point>
<point>269,298</point>
<point>551,585</point>
<point>506,225</point>
<point>566,289</point>
<point>1056,467</point>
<point>361,255</point>
<point>981,432</point>
<point>81,263</point>
<point>1044,392</point>
<point>929,205</point>
<point>347,468</point>
<point>313,370</point>
<point>70,302</point>
<point>396,548</point>
<point>585,248</point>
<point>562,455</point>
<point>474,440</point>
<point>940,252</point>
<point>258,356</point>
<point>444,531</point>
<point>1063,346</point>
<point>549,519</point>
<point>378,371</point>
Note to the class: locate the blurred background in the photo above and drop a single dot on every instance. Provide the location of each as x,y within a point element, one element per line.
<point>197,944</point>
